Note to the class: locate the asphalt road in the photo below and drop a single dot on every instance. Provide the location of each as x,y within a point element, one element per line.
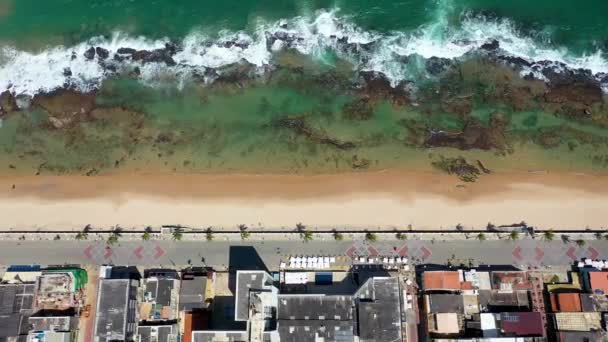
<point>222,254</point>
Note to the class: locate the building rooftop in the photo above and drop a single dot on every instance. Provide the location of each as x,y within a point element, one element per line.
<point>479,280</point>
<point>50,336</point>
<point>315,307</point>
<point>192,292</point>
<point>498,301</point>
<point>445,323</point>
<point>303,331</point>
<point>599,282</point>
<point>16,305</point>
<point>159,301</point>
<point>594,302</point>
<point>521,324</point>
<point>578,321</point>
<point>578,336</point>
<point>444,303</point>
<point>565,302</point>
<point>219,336</point>
<point>159,333</point>
<point>56,291</point>
<point>379,313</point>
<point>115,299</point>
<point>246,281</point>
<point>510,280</point>
<point>53,323</point>
<point>441,280</point>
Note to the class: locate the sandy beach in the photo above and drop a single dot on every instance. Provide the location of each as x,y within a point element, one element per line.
<point>365,200</point>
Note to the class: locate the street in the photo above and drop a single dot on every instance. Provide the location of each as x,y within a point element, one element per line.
<point>221,254</point>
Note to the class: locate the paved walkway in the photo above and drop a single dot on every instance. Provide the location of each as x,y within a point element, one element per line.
<point>528,252</point>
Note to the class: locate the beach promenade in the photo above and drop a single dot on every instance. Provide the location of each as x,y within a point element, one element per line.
<point>221,254</point>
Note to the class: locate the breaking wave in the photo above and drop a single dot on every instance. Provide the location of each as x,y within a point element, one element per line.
<point>389,53</point>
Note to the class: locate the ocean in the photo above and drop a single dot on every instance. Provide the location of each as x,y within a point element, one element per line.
<point>216,79</point>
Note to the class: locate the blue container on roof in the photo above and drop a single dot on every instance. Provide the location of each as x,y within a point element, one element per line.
<point>23,268</point>
<point>323,278</point>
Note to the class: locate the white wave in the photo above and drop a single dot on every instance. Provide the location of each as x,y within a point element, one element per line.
<point>29,73</point>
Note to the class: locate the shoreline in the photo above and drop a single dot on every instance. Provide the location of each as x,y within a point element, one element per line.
<point>389,199</point>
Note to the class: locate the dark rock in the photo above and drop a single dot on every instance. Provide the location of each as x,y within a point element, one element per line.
<point>474,135</point>
<point>491,46</point>
<point>172,48</point>
<point>516,61</point>
<point>285,37</point>
<point>137,71</point>
<point>230,44</point>
<point>376,84</point>
<point>299,126</point>
<point>154,56</point>
<point>359,109</point>
<point>118,57</point>
<point>458,166</point>
<point>460,105</point>
<point>90,53</point>
<point>102,53</point>
<point>586,93</point>
<point>65,104</point>
<point>67,72</point>
<point>235,72</point>
<point>438,65</point>
<point>73,55</point>
<point>8,102</point>
<point>126,51</point>
<point>110,67</point>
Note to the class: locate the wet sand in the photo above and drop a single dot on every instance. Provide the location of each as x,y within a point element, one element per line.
<point>365,200</point>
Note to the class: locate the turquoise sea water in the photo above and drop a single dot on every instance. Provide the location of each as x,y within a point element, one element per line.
<point>191,125</point>
<point>578,25</point>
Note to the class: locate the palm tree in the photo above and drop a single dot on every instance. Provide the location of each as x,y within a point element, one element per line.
<point>244,233</point>
<point>84,234</point>
<point>580,242</point>
<point>300,227</point>
<point>338,236</point>
<point>306,235</point>
<point>112,239</point>
<point>114,236</point>
<point>481,236</point>
<point>549,235</point>
<point>371,237</point>
<point>209,234</point>
<point>147,235</point>
<point>177,234</point>
<point>565,238</point>
<point>598,235</point>
<point>401,236</point>
<point>514,235</point>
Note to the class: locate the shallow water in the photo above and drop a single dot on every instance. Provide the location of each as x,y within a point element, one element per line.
<point>174,118</point>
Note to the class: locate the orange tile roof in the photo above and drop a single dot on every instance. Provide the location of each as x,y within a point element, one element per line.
<point>599,281</point>
<point>187,336</point>
<point>566,302</point>
<point>441,280</point>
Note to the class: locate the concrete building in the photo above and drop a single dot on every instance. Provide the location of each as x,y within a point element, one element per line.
<point>159,299</point>
<point>16,306</point>
<point>371,313</point>
<point>116,317</point>
<point>157,333</point>
<point>60,289</point>
<point>193,289</point>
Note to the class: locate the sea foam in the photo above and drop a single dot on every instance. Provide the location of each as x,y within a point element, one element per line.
<point>29,73</point>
